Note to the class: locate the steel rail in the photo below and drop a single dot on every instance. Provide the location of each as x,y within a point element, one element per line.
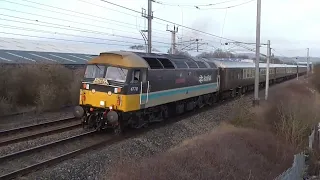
<point>60,158</point>
<point>36,126</point>
<point>37,135</point>
<point>44,146</point>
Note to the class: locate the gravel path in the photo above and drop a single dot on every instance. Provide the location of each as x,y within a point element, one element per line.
<point>97,164</point>
<point>20,120</point>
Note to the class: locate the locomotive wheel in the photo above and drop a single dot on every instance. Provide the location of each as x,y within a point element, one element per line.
<point>233,93</point>
<point>84,121</point>
<point>200,102</point>
<point>100,123</point>
<point>165,113</point>
<point>90,122</point>
<point>119,129</point>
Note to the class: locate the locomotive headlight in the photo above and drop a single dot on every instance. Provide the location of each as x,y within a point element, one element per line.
<point>102,103</point>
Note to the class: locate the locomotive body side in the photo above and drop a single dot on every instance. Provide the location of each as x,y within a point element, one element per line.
<point>174,85</point>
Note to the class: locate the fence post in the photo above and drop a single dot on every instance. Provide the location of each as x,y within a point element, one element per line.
<point>317,137</point>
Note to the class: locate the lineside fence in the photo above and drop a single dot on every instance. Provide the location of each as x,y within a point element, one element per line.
<point>299,168</point>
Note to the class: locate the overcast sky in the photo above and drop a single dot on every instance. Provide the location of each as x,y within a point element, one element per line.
<point>291,25</point>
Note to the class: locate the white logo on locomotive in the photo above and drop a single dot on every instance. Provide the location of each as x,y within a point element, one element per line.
<point>205,78</point>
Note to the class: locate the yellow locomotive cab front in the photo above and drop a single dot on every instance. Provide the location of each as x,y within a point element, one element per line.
<point>101,99</point>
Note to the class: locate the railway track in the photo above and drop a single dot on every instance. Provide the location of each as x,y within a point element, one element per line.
<point>20,134</point>
<point>34,158</point>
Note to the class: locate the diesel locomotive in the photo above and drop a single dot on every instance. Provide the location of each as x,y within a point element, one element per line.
<point>123,89</point>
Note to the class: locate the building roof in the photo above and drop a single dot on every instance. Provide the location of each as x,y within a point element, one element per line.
<point>36,51</point>
<point>21,57</point>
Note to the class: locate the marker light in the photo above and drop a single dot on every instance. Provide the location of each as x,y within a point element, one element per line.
<point>117,90</point>
<point>102,103</point>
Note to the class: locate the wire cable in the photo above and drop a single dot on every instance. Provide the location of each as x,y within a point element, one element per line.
<point>55,33</point>
<point>116,10</point>
<point>106,19</point>
<point>60,39</point>
<point>229,7</point>
<point>172,22</point>
<point>64,39</point>
<point>195,5</point>
<point>72,28</point>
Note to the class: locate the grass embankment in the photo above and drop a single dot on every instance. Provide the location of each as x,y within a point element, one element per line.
<point>256,143</point>
<point>41,87</point>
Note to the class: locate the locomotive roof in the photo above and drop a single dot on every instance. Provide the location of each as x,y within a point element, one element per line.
<point>151,60</point>
<point>120,58</point>
<point>169,61</point>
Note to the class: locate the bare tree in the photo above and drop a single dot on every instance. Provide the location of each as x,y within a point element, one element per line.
<point>219,53</point>
<point>178,52</point>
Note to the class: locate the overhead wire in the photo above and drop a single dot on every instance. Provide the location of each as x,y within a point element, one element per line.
<point>116,10</point>
<point>106,19</point>
<point>78,16</point>
<point>58,33</point>
<point>66,20</point>
<point>193,5</point>
<point>170,21</point>
<point>65,39</point>
<point>70,28</point>
<point>140,12</point>
<point>229,7</point>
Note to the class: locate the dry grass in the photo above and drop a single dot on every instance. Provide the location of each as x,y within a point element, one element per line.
<point>42,86</point>
<point>226,153</point>
<point>290,114</point>
<point>316,77</point>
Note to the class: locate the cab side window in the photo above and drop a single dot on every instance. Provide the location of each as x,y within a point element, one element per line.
<point>135,76</point>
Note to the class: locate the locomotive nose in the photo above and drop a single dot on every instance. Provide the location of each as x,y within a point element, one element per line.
<point>78,111</point>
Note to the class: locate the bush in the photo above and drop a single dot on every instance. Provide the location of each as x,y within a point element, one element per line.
<point>43,86</point>
<point>290,113</point>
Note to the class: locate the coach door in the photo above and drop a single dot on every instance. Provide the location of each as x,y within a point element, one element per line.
<point>139,79</point>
